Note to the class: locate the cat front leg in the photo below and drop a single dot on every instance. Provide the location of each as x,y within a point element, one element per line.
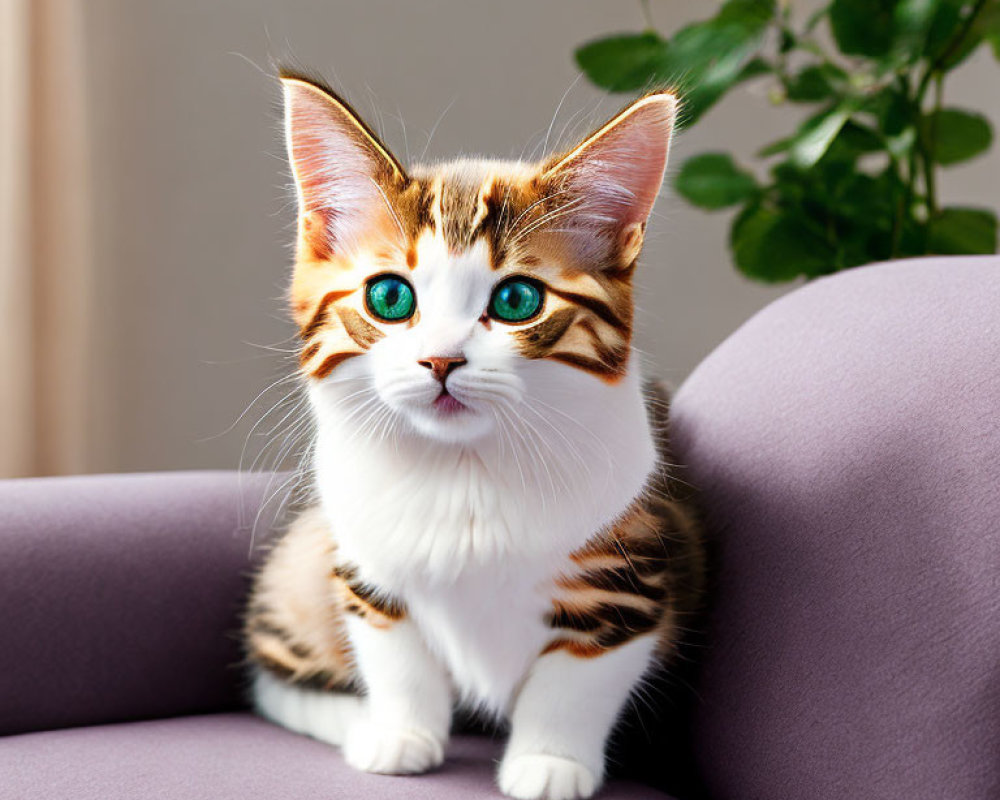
<point>404,725</point>
<point>562,717</point>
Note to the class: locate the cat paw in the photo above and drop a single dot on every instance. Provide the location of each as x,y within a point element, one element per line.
<point>544,777</point>
<point>392,751</point>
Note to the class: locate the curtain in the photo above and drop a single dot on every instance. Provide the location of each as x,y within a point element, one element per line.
<point>46,280</point>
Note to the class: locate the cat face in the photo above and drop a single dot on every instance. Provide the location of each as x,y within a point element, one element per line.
<point>446,297</point>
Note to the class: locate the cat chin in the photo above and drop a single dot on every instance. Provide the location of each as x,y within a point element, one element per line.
<point>450,427</point>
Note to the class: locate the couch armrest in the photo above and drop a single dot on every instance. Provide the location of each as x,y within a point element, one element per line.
<point>847,444</point>
<point>120,595</point>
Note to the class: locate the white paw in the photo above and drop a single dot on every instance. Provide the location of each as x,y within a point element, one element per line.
<point>544,777</point>
<point>392,751</point>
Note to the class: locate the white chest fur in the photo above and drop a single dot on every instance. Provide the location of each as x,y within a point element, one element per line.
<point>486,627</point>
<point>471,537</point>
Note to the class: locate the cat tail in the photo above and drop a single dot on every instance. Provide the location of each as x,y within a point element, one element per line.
<point>323,715</point>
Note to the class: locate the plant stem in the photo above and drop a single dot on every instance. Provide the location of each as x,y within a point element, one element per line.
<point>930,183</point>
<point>935,66</point>
<point>647,15</point>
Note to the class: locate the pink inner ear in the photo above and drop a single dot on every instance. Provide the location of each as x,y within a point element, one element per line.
<point>615,175</point>
<point>336,169</point>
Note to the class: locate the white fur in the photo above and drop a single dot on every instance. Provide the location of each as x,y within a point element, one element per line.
<point>562,718</point>
<point>323,715</point>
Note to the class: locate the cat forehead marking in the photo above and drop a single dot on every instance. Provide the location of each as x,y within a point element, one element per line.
<point>468,201</point>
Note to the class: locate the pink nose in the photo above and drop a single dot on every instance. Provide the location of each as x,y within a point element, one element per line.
<point>442,366</point>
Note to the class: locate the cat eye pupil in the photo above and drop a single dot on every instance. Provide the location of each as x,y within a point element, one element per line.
<point>390,298</point>
<point>516,300</point>
<point>511,297</point>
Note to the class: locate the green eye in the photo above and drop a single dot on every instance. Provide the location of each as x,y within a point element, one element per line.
<point>390,298</point>
<point>516,300</point>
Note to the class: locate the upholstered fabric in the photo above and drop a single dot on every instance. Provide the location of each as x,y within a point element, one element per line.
<point>231,757</point>
<point>120,595</point>
<point>847,440</point>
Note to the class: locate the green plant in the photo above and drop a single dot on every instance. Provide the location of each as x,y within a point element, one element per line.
<point>857,181</point>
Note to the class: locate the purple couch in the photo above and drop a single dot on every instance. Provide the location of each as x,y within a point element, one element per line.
<point>847,441</point>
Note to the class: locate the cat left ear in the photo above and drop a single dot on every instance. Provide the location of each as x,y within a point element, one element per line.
<point>611,180</point>
<point>342,170</point>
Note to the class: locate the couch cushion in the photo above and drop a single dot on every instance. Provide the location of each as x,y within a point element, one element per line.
<point>121,595</point>
<point>231,757</point>
<point>847,440</point>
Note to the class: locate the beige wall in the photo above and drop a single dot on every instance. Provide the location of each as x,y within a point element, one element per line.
<point>193,219</point>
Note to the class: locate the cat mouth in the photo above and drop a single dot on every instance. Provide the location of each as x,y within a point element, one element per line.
<point>448,404</point>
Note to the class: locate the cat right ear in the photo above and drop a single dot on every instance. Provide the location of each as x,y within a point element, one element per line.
<point>341,169</point>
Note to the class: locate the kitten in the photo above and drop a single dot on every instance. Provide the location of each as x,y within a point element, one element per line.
<point>496,527</point>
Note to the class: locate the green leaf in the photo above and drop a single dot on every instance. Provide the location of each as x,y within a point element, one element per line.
<point>894,110</point>
<point>810,85</point>
<point>985,26</point>
<point>753,69</point>
<point>709,58</point>
<point>955,135</point>
<point>816,135</point>
<point>912,20</point>
<point>712,181</point>
<point>752,15</point>
<point>963,231</point>
<point>775,246</point>
<point>622,63</point>
<point>776,147</point>
<point>943,27</point>
<point>860,138</point>
<point>991,28</point>
<point>863,27</point>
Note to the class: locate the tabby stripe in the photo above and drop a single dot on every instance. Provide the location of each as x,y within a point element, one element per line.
<point>563,617</point>
<point>617,625</point>
<point>363,333</point>
<point>574,648</point>
<point>320,314</point>
<point>436,189</point>
<point>319,679</point>
<point>285,659</point>
<point>330,363</point>
<point>604,371</point>
<point>369,596</point>
<point>273,664</point>
<point>622,580</point>
<point>648,567</point>
<point>309,352</point>
<point>613,610</point>
<point>591,330</point>
<point>592,600</point>
<point>598,307</point>
<point>619,636</point>
<point>652,547</point>
<point>598,560</point>
<point>345,572</point>
<point>537,340</point>
<point>627,618</point>
<point>366,595</point>
<point>266,628</point>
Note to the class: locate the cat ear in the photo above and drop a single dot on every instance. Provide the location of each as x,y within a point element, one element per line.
<point>341,169</point>
<point>611,180</point>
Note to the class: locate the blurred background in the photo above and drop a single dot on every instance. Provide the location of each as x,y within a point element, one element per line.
<point>146,218</point>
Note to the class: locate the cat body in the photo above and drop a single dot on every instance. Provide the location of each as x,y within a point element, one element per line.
<point>496,524</point>
<point>474,550</point>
